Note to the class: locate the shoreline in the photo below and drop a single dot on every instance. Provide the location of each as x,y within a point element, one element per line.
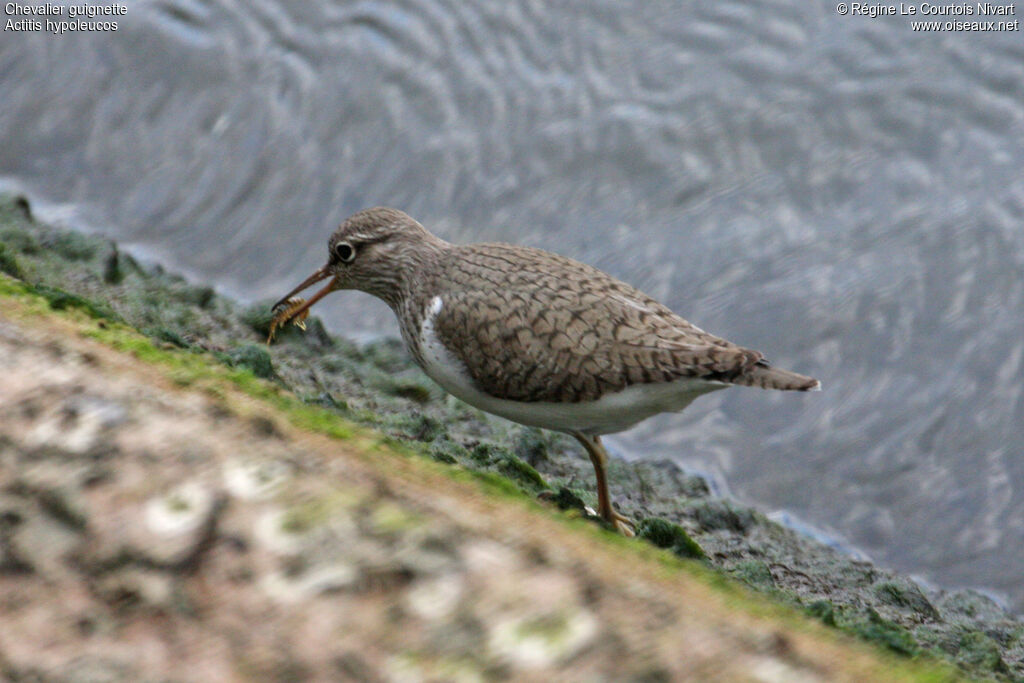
<point>377,387</point>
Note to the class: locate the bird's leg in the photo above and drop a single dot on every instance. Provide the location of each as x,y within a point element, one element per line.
<point>599,457</point>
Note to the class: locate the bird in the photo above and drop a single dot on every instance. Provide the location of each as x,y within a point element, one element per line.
<point>531,336</point>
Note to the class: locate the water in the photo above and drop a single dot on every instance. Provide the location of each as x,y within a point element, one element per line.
<point>839,192</point>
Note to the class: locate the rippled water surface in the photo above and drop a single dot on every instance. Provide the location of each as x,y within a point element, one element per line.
<point>840,192</point>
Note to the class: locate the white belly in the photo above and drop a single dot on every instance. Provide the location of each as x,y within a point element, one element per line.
<point>610,413</point>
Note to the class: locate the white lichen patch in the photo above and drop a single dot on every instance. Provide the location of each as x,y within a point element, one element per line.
<point>774,670</point>
<point>405,668</point>
<point>435,599</point>
<point>289,587</point>
<point>541,641</point>
<point>412,668</point>
<point>486,557</point>
<point>289,531</point>
<point>272,531</point>
<point>78,426</point>
<point>180,511</point>
<point>254,479</point>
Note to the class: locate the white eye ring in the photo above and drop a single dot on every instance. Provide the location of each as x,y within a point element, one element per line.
<point>345,252</point>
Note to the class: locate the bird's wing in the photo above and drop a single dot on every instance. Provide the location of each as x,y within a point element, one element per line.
<point>532,326</point>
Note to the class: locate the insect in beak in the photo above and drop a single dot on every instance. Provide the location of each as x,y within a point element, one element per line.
<point>296,309</point>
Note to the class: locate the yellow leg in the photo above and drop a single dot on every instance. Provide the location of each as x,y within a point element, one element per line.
<point>599,458</point>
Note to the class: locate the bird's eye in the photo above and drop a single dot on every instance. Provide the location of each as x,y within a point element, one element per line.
<point>345,252</point>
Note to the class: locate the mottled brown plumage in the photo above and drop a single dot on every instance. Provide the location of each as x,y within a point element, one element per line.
<point>525,327</point>
<point>533,326</point>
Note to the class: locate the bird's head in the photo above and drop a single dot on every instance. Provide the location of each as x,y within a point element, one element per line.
<point>374,251</point>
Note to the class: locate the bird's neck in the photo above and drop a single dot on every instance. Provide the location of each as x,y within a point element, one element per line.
<point>410,282</point>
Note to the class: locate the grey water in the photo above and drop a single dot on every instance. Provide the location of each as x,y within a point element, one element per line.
<point>842,193</point>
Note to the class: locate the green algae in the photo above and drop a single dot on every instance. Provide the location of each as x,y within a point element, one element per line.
<point>403,388</point>
<point>890,634</point>
<point>673,537</point>
<point>417,426</point>
<point>113,273</point>
<point>197,295</point>
<point>60,300</point>
<point>447,451</point>
<point>73,246</point>
<point>259,318</point>
<point>20,241</point>
<point>907,595</point>
<point>754,573</point>
<point>167,335</point>
<point>9,263</point>
<point>387,355</point>
<point>823,610</point>
<point>975,650</point>
<point>521,472</point>
<point>488,453</point>
<point>719,515</point>
<point>531,446</point>
<point>866,624</point>
<point>567,499</point>
<point>254,358</point>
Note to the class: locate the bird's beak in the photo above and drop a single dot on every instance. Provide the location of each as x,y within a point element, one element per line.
<point>319,275</point>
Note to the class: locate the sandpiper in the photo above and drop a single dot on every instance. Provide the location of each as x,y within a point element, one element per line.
<point>532,336</point>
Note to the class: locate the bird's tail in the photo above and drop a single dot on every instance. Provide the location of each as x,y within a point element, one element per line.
<point>762,375</point>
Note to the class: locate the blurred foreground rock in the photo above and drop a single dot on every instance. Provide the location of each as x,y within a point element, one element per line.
<point>151,532</point>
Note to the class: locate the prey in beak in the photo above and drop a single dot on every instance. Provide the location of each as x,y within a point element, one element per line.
<point>294,309</point>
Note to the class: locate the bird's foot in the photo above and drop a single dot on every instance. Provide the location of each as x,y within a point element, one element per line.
<point>624,525</point>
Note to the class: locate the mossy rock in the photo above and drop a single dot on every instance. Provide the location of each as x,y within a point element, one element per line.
<point>905,595</point>
<point>60,300</point>
<point>531,446</point>
<point>868,625</point>
<point>113,273</point>
<point>404,388</point>
<point>665,534</point>
<point>521,472</point>
<point>200,296</point>
<point>388,355</point>
<point>254,358</point>
<point>977,651</point>
<point>326,399</point>
<point>9,264</point>
<point>823,610</point>
<point>754,573</point>
<point>416,426</point>
<point>719,515</point>
<point>316,334</point>
<point>567,499</point>
<point>487,453</point>
<point>167,335</point>
<point>259,317</point>
<point>448,451</point>
<point>15,207</point>
<point>21,241</point>
<point>73,246</point>
<point>335,362</point>
<point>888,633</point>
